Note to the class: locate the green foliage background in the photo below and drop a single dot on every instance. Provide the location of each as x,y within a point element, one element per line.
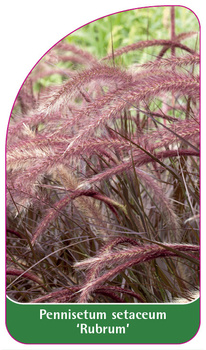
<point>131,26</point>
<point>103,35</point>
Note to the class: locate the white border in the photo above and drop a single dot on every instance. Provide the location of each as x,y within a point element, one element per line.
<point>28,29</point>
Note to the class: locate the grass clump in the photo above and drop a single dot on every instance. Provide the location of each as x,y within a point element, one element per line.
<point>103,175</point>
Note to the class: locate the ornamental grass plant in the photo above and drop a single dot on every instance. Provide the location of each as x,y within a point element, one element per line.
<point>103,169</point>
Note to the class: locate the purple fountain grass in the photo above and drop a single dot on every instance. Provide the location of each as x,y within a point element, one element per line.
<point>51,71</point>
<point>138,160</point>
<point>126,258</point>
<point>133,93</point>
<point>45,151</point>
<point>63,296</point>
<point>56,100</point>
<point>51,146</point>
<point>67,295</point>
<point>176,61</point>
<point>148,43</point>
<point>156,81</point>
<point>94,269</point>
<point>143,252</point>
<point>62,203</point>
<point>51,215</point>
<point>28,275</point>
<point>99,72</point>
<point>179,37</point>
<point>66,47</point>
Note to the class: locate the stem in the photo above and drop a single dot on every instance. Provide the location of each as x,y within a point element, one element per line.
<point>173,29</point>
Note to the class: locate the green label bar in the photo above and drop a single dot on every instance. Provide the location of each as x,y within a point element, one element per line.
<point>102,323</point>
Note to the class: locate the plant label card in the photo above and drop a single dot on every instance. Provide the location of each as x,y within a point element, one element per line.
<point>103,184</point>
